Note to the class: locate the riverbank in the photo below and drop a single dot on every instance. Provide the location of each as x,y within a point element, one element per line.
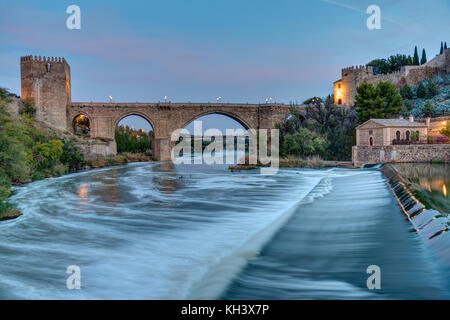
<point>8,212</point>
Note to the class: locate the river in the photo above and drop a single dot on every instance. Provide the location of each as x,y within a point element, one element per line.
<point>164,231</point>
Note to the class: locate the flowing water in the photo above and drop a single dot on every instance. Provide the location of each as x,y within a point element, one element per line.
<point>164,231</point>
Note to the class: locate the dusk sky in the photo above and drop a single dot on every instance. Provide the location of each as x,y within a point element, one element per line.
<point>243,51</point>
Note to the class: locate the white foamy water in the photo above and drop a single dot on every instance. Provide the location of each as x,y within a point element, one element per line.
<point>146,231</point>
<point>159,231</point>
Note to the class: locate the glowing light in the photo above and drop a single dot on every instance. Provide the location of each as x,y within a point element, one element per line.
<point>444,190</point>
<point>83,192</point>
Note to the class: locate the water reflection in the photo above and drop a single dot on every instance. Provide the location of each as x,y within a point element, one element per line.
<point>83,192</point>
<point>432,180</point>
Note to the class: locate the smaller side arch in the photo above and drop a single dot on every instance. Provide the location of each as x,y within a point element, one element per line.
<point>81,124</point>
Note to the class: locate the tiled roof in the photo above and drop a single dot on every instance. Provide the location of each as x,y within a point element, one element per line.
<point>395,123</point>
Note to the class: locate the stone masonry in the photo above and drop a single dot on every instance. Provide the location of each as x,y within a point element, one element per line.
<point>46,81</point>
<point>353,77</point>
<point>400,153</point>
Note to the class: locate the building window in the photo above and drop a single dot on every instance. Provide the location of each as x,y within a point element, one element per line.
<point>407,135</point>
<point>370,132</point>
<point>397,134</point>
<point>371,141</point>
<point>340,101</point>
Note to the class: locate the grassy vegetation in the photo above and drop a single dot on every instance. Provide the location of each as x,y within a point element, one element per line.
<point>29,152</point>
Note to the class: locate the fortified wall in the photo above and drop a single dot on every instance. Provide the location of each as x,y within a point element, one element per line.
<point>353,77</point>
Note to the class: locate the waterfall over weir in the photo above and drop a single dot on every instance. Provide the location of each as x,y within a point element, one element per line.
<point>430,224</point>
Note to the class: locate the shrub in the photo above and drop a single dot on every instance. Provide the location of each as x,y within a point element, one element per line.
<point>5,187</point>
<point>71,156</point>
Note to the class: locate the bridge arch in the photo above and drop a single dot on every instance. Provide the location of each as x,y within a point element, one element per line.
<point>81,124</point>
<point>231,115</point>
<point>135,113</point>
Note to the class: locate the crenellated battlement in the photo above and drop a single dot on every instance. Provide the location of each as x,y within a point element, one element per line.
<point>43,59</point>
<point>352,69</point>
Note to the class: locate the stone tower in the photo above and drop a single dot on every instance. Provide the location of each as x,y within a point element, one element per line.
<point>46,82</point>
<point>345,88</point>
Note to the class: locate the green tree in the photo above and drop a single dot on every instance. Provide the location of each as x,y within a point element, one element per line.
<point>432,89</point>
<point>304,143</point>
<point>442,48</point>
<point>311,100</point>
<point>130,140</point>
<point>416,57</point>
<point>428,109</point>
<point>382,101</point>
<point>421,91</point>
<point>410,61</point>
<point>446,130</point>
<point>445,45</point>
<point>406,92</point>
<point>424,57</point>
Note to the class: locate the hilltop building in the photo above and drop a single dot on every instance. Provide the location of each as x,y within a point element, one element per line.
<point>353,77</point>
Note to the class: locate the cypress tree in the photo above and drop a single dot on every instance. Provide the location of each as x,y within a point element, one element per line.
<point>445,45</point>
<point>424,57</point>
<point>416,61</point>
<point>421,91</point>
<point>442,48</point>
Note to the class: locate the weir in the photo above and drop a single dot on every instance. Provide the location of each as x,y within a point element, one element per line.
<point>430,224</point>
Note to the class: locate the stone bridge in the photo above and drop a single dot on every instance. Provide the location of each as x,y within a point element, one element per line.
<point>168,117</point>
<point>46,81</point>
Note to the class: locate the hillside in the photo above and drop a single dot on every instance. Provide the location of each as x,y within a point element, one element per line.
<point>441,101</point>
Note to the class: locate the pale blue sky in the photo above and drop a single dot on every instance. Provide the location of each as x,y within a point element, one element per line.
<point>244,51</point>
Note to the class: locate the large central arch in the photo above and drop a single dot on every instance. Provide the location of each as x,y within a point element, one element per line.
<point>232,115</point>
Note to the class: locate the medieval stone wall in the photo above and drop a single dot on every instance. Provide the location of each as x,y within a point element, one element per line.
<point>362,155</point>
<point>353,77</point>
